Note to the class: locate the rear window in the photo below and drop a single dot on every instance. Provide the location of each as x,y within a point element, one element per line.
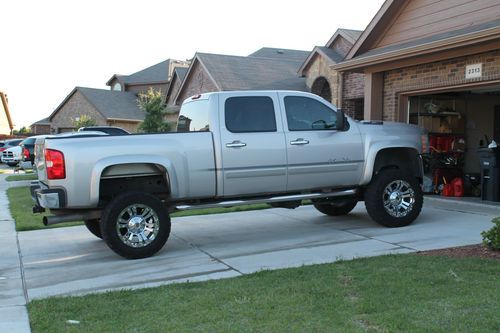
<point>29,141</point>
<point>193,117</point>
<point>250,114</point>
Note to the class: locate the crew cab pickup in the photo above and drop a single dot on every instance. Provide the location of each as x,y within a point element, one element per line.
<point>230,148</point>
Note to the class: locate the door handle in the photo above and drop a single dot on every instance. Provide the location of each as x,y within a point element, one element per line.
<point>236,144</point>
<point>299,142</point>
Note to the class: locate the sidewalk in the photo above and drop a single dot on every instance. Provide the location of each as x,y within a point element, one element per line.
<point>13,311</point>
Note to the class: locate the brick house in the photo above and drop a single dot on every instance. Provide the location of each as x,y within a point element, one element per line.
<point>345,90</point>
<point>114,107</point>
<point>6,125</point>
<point>435,64</point>
<point>265,69</point>
<point>174,86</point>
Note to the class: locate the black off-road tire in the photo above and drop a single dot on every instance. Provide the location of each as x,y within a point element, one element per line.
<point>154,212</point>
<point>336,208</point>
<point>378,192</point>
<point>94,226</point>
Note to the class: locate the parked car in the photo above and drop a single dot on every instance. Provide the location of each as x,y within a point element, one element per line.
<point>5,144</point>
<point>111,130</point>
<point>28,148</point>
<point>12,156</point>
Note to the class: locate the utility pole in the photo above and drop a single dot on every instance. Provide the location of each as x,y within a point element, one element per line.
<point>5,103</point>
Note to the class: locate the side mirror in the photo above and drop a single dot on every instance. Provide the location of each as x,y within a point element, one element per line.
<point>341,120</point>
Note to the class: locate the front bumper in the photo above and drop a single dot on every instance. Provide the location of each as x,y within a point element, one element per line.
<point>46,198</point>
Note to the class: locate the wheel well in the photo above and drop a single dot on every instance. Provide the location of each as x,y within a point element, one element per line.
<point>117,179</point>
<point>406,159</point>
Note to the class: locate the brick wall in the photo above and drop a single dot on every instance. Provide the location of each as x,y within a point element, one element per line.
<point>353,93</point>
<point>447,73</point>
<point>198,82</point>
<point>320,67</point>
<point>176,84</point>
<point>74,107</point>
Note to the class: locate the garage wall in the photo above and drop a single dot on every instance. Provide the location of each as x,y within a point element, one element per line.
<point>479,122</point>
<point>441,74</point>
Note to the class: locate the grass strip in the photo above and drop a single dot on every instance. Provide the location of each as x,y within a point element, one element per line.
<point>396,293</point>
<point>29,176</point>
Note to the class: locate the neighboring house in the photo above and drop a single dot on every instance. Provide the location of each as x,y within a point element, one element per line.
<point>173,88</point>
<point>346,90</point>
<point>114,108</point>
<point>435,64</point>
<point>6,125</point>
<point>41,127</point>
<point>266,69</point>
<point>157,77</point>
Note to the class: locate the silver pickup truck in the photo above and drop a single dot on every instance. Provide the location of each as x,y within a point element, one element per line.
<point>230,148</point>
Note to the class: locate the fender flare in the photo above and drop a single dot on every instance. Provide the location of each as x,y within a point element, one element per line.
<point>106,162</point>
<point>373,151</point>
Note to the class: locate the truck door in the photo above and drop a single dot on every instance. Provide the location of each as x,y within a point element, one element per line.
<point>319,156</point>
<point>253,144</point>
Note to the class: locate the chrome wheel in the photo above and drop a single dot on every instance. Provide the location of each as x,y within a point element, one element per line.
<point>398,198</point>
<point>137,225</point>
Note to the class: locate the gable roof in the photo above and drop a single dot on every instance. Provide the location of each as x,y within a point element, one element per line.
<point>44,121</point>
<point>111,104</point>
<point>179,75</point>
<point>365,51</point>
<point>5,106</point>
<point>330,55</point>
<point>157,73</point>
<point>248,73</point>
<point>350,35</point>
<point>252,73</point>
<point>275,53</point>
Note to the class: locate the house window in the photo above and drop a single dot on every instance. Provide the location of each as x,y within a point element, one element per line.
<point>117,87</point>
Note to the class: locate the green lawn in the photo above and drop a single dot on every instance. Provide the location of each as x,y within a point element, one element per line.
<point>399,293</point>
<point>20,204</point>
<point>27,176</point>
<point>21,210</point>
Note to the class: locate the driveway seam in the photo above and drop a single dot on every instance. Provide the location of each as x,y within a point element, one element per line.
<point>196,247</point>
<point>21,268</point>
<point>380,240</point>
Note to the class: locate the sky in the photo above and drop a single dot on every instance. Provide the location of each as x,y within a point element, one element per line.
<point>49,47</point>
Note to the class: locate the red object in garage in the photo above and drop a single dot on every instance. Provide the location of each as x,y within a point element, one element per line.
<point>458,187</point>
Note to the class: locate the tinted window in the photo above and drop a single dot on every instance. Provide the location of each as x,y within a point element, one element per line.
<point>193,117</point>
<point>29,141</point>
<point>250,114</point>
<point>303,114</point>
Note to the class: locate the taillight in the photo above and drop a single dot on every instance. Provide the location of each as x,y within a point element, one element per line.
<point>54,161</point>
<point>26,154</point>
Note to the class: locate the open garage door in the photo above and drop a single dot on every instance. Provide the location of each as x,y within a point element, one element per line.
<point>459,123</point>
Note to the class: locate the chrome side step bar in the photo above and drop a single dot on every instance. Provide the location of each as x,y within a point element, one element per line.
<point>309,196</point>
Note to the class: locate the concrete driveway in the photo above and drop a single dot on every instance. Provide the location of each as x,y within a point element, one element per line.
<point>70,261</point>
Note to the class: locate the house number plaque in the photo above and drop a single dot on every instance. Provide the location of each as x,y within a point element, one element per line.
<point>473,71</point>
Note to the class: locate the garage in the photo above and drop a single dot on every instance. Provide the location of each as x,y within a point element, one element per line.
<point>436,64</point>
<point>461,124</point>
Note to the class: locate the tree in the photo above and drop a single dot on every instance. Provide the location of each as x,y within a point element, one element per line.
<point>152,103</point>
<point>22,131</point>
<point>84,121</point>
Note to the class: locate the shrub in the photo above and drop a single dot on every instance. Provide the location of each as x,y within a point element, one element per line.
<point>491,238</point>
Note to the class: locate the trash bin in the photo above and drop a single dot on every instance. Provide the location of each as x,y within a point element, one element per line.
<point>490,173</point>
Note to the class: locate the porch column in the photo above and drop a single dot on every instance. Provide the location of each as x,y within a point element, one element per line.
<point>374,96</point>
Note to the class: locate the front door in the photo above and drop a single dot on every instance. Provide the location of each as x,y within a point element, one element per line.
<point>319,156</point>
<point>253,145</point>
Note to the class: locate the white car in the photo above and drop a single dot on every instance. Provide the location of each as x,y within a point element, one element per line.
<point>12,156</point>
